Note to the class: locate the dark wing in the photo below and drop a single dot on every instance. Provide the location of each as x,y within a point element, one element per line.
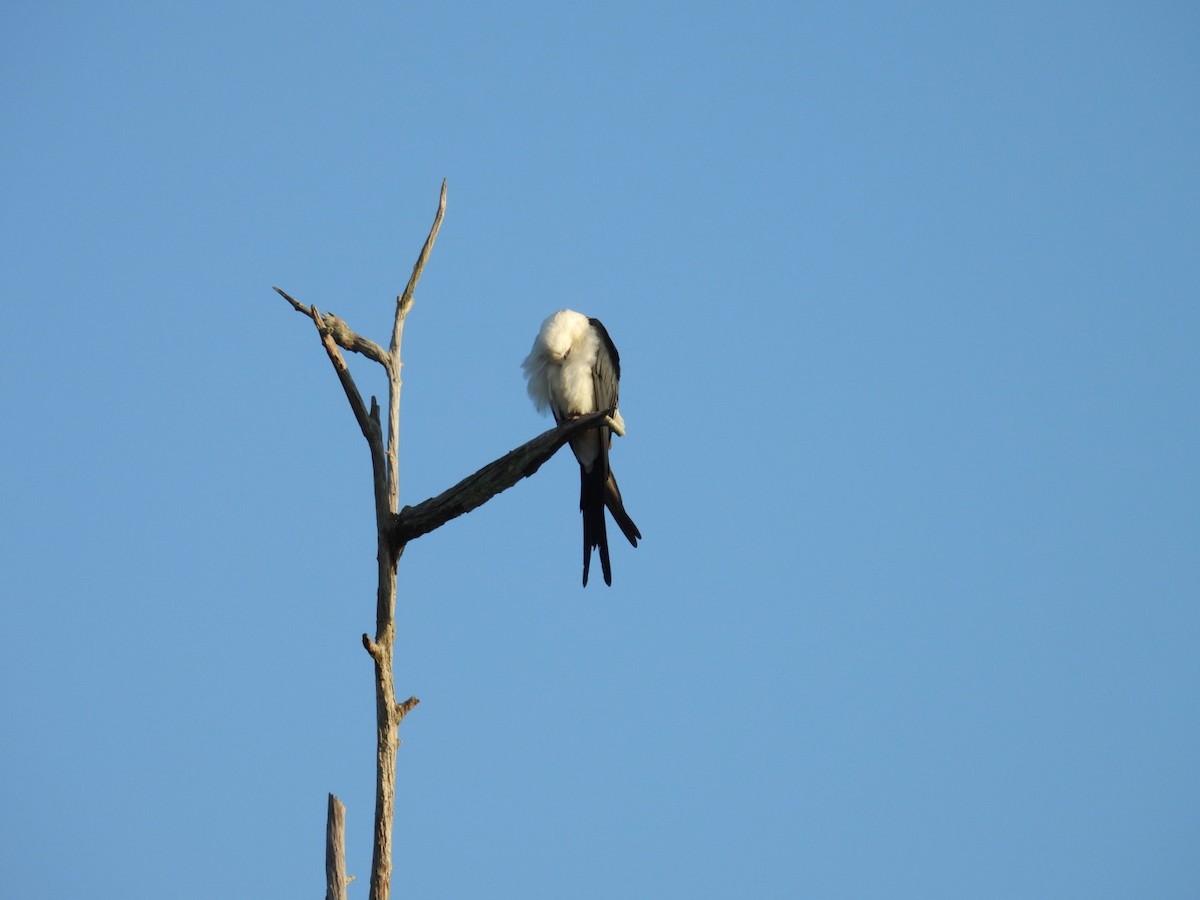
<point>606,383</point>
<point>606,376</point>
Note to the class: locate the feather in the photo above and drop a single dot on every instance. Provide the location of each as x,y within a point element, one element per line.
<point>574,369</point>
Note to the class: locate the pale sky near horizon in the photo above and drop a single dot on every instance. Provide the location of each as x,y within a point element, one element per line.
<point>907,303</point>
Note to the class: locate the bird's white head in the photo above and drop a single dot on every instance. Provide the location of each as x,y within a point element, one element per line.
<point>561,331</point>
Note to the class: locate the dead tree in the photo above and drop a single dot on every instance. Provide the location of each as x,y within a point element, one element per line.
<point>395,528</point>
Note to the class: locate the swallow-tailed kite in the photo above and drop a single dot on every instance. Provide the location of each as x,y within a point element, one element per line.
<point>574,370</point>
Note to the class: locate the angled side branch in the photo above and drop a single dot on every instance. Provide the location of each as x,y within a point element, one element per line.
<point>342,334</point>
<point>368,420</point>
<point>476,490</point>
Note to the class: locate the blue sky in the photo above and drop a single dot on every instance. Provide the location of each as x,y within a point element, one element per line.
<point>906,296</point>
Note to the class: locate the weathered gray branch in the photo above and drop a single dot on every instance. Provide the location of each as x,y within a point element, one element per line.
<point>368,420</point>
<point>335,851</point>
<point>336,334</point>
<point>394,364</point>
<point>338,330</point>
<point>476,490</point>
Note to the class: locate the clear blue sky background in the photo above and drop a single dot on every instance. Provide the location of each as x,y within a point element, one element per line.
<point>907,300</point>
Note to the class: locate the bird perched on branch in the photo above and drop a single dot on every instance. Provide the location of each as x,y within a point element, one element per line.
<point>573,369</point>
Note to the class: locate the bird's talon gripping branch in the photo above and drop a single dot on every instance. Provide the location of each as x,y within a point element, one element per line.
<point>617,425</point>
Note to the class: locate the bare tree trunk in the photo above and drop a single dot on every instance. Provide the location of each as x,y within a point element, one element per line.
<point>395,528</point>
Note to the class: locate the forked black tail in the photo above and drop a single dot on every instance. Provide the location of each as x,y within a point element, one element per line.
<point>591,504</point>
<point>616,506</point>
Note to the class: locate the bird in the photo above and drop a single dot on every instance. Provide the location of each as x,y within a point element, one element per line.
<point>574,369</point>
